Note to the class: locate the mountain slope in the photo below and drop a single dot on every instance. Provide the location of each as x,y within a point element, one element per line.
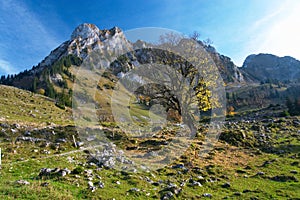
<point>56,74</point>
<point>21,106</point>
<point>263,67</point>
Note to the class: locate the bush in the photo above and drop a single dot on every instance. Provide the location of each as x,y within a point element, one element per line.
<point>284,114</point>
<point>78,170</point>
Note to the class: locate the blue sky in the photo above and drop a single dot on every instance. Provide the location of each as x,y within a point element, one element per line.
<point>29,30</point>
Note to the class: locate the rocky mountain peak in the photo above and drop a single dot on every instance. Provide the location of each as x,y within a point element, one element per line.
<point>86,38</point>
<point>85,31</point>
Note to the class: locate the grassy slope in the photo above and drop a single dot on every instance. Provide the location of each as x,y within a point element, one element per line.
<point>25,107</point>
<point>226,163</point>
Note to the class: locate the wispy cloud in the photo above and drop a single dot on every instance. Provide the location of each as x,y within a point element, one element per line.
<point>278,32</point>
<point>6,68</point>
<point>23,36</point>
<point>282,38</point>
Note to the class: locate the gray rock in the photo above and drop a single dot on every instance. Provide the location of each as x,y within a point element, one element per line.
<point>22,182</point>
<point>134,190</point>
<point>27,133</point>
<point>260,173</point>
<point>207,195</point>
<point>30,139</point>
<point>151,154</point>
<point>88,172</point>
<point>4,125</point>
<point>45,184</point>
<point>61,140</point>
<point>167,195</point>
<point>65,172</point>
<point>93,189</point>
<point>46,152</point>
<point>100,184</point>
<point>284,178</point>
<point>90,184</point>
<point>226,185</point>
<point>54,172</point>
<point>45,171</point>
<point>196,183</point>
<point>79,144</point>
<point>178,166</point>
<point>294,172</point>
<point>237,194</point>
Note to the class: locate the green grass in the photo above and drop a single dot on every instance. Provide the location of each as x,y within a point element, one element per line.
<point>25,107</point>
<point>237,165</point>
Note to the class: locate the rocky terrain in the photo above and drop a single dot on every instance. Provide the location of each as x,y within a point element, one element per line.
<point>257,157</point>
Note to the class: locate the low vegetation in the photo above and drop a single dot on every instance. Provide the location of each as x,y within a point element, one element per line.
<point>257,157</point>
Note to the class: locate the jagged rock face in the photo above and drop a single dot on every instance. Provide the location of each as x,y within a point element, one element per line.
<point>228,70</point>
<point>267,66</point>
<point>87,38</point>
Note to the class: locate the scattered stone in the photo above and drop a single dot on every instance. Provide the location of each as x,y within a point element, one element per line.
<point>178,166</point>
<point>207,195</point>
<point>54,172</point>
<point>45,144</point>
<point>156,183</point>
<point>4,125</point>
<point>45,184</point>
<point>14,130</point>
<point>260,173</point>
<point>241,171</point>
<point>90,184</point>
<point>237,194</point>
<point>88,172</point>
<point>266,163</point>
<point>64,172</point>
<point>27,133</point>
<point>151,154</point>
<point>182,184</point>
<point>93,189</point>
<point>226,185</point>
<point>196,183</point>
<point>248,167</point>
<point>167,195</point>
<point>17,126</point>
<point>30,139</point>
<point>148,180</point>
<point>134,190</point>
<point>22,182</point>
<point>46,171</point>
<point>79,144</point>
<point>118,182</point>
<point>100,184</point>
<point>61,140</point>
<point>46,152</point>
<point>284,178</point>
<point>294,172</point>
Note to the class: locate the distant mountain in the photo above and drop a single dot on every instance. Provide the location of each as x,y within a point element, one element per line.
<point>264,67</point>
<point>55,75</point>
